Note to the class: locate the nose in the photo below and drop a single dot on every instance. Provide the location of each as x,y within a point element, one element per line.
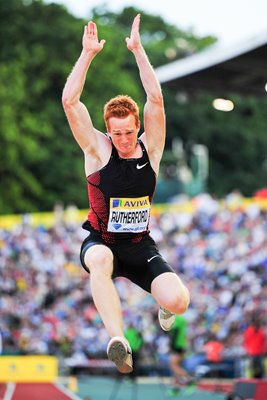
<point>124,139</point>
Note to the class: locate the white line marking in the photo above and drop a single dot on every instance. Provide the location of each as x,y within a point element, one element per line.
<point>66,391</point>
<point>9,391</point>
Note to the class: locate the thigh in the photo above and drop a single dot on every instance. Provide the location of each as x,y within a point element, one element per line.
<point>177,354</point>
<point>142,263</point>
<point>92,242</point>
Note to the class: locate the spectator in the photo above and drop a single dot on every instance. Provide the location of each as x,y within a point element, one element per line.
<point>214,355</point>
<point>136,341</point>
<point>255,346</point>
<point>1,343</point>
<point>222,256</point>
<point>178,347</point>
<point>214,349</point>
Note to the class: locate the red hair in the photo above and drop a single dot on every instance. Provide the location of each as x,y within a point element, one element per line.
<point>121,106</point>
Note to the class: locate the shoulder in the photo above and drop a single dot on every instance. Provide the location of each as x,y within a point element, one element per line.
<point>97,157</point>
<point>154,154</point>
<point>101,145</point>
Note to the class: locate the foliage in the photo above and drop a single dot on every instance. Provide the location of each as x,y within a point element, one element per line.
<point>236,141</point>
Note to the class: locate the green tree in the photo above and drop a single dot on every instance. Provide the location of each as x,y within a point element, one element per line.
<point>41,164</point>
<point>236,140</point>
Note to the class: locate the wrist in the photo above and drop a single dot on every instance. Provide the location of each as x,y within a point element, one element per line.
<point>138,50</point>
<point>88,53</point>
<point>139,53</point>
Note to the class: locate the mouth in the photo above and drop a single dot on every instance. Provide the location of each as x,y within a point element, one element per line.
<point>125,146</point>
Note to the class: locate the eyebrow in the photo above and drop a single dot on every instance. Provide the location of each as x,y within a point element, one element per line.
<point>119,130</point>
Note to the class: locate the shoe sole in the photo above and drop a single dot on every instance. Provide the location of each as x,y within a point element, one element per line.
<point>118,354</point>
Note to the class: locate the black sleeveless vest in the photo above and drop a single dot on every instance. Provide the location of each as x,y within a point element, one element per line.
<point>120,195</point>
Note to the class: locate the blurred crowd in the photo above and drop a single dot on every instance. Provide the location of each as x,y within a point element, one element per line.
<point>218,248</point>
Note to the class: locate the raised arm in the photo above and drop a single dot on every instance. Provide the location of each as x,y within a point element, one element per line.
<point>76,112</point>
<point>154,115</point>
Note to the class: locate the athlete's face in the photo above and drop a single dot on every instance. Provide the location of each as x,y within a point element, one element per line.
<point>124,132</point>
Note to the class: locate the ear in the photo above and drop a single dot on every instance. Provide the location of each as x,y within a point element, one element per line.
<point>107,128</point>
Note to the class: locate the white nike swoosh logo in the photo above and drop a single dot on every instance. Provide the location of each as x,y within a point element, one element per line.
<point>141,166</point>
<point>149,259</point>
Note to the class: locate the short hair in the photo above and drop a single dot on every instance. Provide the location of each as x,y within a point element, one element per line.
<point>120,107</point>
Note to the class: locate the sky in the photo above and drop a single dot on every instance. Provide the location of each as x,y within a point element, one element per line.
<point>230,21</point>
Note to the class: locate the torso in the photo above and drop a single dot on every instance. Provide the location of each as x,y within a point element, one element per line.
<point>120,194</point>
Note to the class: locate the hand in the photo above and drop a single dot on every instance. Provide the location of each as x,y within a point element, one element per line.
<point>90,39</point>
<point>134,41</point>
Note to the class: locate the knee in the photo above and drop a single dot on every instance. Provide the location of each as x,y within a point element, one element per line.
<point>170,292</point>
<point>99,260</point>
<point>178,302</point>
<point>182,301</point>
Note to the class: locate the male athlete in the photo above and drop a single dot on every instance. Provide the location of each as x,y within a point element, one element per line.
<point>121,171</point>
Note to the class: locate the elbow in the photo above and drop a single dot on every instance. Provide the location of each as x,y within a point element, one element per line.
<point>157,98</point>
<point>68,98</point>
<point>67,102</point>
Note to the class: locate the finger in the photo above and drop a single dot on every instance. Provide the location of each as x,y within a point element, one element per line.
<point>137,20</point>
<point>95,29</point>
<point>91,28</point>
<point>136,24</point>
<point>102,42</point>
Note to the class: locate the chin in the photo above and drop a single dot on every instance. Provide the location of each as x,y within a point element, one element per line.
<point>126,152</point>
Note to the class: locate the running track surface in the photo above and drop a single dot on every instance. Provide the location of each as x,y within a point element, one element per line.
<point>105,388</point>
<point>35,391</point>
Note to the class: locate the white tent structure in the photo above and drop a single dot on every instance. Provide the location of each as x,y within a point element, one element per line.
<point>241,68</point>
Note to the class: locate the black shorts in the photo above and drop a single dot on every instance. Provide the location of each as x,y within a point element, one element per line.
<point>139,262</point>
<point>178,350</point>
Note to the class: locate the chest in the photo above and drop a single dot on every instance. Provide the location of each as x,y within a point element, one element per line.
<point>124,178</point>
<point>133,177</point>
